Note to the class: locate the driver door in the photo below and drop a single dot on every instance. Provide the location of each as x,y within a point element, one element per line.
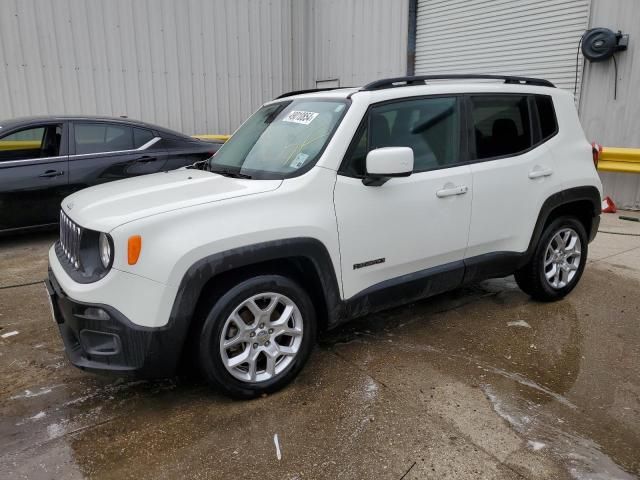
<point>33,175</point>
<point>411,230</point>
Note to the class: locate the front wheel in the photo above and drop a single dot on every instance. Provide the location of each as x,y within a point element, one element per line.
<point>557,262</point>
<point>257,336</point>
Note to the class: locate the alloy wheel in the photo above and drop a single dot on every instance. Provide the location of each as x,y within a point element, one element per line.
<point>562,258</point>
<point>261,337</point>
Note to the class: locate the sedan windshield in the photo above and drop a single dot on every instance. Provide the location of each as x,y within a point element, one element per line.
<point>280,139</point>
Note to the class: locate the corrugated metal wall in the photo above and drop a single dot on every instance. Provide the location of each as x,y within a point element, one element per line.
<point>195,66</point>
<point>359,41</point>
<point>608,121</point>
<point>535,38</point>
<point>198,66</point>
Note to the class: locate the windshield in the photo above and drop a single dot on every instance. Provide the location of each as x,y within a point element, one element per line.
<point>280,139</point>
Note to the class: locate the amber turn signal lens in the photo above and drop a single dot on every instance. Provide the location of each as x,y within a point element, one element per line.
<point>134,248</point>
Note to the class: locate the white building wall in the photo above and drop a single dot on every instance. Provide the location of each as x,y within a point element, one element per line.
<point>359,41</point>
<point>197,66</point>
<point>614,122</point>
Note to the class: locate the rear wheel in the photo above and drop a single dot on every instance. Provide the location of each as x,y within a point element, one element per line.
<point>257,336</point>
<point>557,262</point>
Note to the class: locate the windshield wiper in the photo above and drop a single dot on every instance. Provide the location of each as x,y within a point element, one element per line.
<point>200,165</point>
<point>230,173</point>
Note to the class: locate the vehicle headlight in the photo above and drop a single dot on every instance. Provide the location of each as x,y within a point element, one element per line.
<point>106,252</point>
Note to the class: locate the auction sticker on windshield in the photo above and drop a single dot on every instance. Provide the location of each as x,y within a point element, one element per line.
<point>299,160</point>
<point>300,116</point>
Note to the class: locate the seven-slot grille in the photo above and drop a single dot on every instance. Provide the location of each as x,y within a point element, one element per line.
<point>70,235</point>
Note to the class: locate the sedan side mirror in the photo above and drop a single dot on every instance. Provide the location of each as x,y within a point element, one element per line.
<point>387,162</point>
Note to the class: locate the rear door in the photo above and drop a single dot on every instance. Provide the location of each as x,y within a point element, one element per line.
<point>33,175</point>
<point>103,152</point>
<point>513,174</point>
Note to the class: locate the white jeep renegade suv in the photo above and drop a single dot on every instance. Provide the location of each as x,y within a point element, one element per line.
<point>325,206</point>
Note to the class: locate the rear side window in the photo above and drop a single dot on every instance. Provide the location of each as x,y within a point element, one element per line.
<point>102,137</point>
<point>546,116</point>
<point>141,136</point>
<point>501,124</point>
<point>430,126</point>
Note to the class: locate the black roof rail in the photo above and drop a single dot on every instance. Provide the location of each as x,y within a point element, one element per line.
<point>422,80</point>
<point>309,90</point>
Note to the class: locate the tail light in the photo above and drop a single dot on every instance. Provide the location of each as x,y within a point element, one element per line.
<point>596,150</point>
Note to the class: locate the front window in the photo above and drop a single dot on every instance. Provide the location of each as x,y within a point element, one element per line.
<point>280,139</point>
<point>429,126</point>
<point>35,142</point>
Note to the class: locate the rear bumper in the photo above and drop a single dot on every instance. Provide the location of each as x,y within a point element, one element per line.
<point>99,338</point>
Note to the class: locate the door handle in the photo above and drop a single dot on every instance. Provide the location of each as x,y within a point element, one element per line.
<point>51,173</point>
<point>146,159</point>
<point>449,192</point>
<point>540,172</point>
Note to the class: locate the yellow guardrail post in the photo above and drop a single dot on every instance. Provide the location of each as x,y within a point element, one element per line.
<point>20,144</point>
<point>616,159</point>
<point>223,138</point>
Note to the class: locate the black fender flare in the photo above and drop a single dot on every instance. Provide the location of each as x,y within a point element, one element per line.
<point>206,268</point>
<point>564,197</point>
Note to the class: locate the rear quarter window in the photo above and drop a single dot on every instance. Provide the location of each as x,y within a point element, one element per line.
<point>546,116</point>
<point>172,142</point>
<point>141,136</point>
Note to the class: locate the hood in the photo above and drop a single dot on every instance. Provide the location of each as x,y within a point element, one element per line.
<point>106,206</point>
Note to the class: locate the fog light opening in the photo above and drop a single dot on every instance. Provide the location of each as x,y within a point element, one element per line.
<point>95,313</point>
<point>99,343</point>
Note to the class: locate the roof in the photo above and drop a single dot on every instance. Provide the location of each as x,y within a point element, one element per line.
<point>20,121</point>
<point>435,88</point>
<point>431,84</point>
<point>329,93</point>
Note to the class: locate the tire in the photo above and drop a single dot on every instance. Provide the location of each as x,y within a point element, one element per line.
<point>532,278</point>
<point>260,357</point>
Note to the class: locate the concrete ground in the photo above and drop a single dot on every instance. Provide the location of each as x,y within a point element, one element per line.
<point>478,383</point>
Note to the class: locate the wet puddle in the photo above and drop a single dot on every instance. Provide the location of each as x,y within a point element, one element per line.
<point>562,375</point>
<point>477,382</point>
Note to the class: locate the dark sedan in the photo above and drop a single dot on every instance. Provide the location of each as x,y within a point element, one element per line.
<point>44,159</point>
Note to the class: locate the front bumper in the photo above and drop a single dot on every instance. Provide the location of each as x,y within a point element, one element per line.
<point>99,338</point>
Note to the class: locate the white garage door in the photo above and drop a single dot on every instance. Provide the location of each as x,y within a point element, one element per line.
<point>537,38</point>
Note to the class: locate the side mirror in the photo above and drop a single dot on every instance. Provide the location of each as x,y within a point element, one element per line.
<point>387,162</point>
